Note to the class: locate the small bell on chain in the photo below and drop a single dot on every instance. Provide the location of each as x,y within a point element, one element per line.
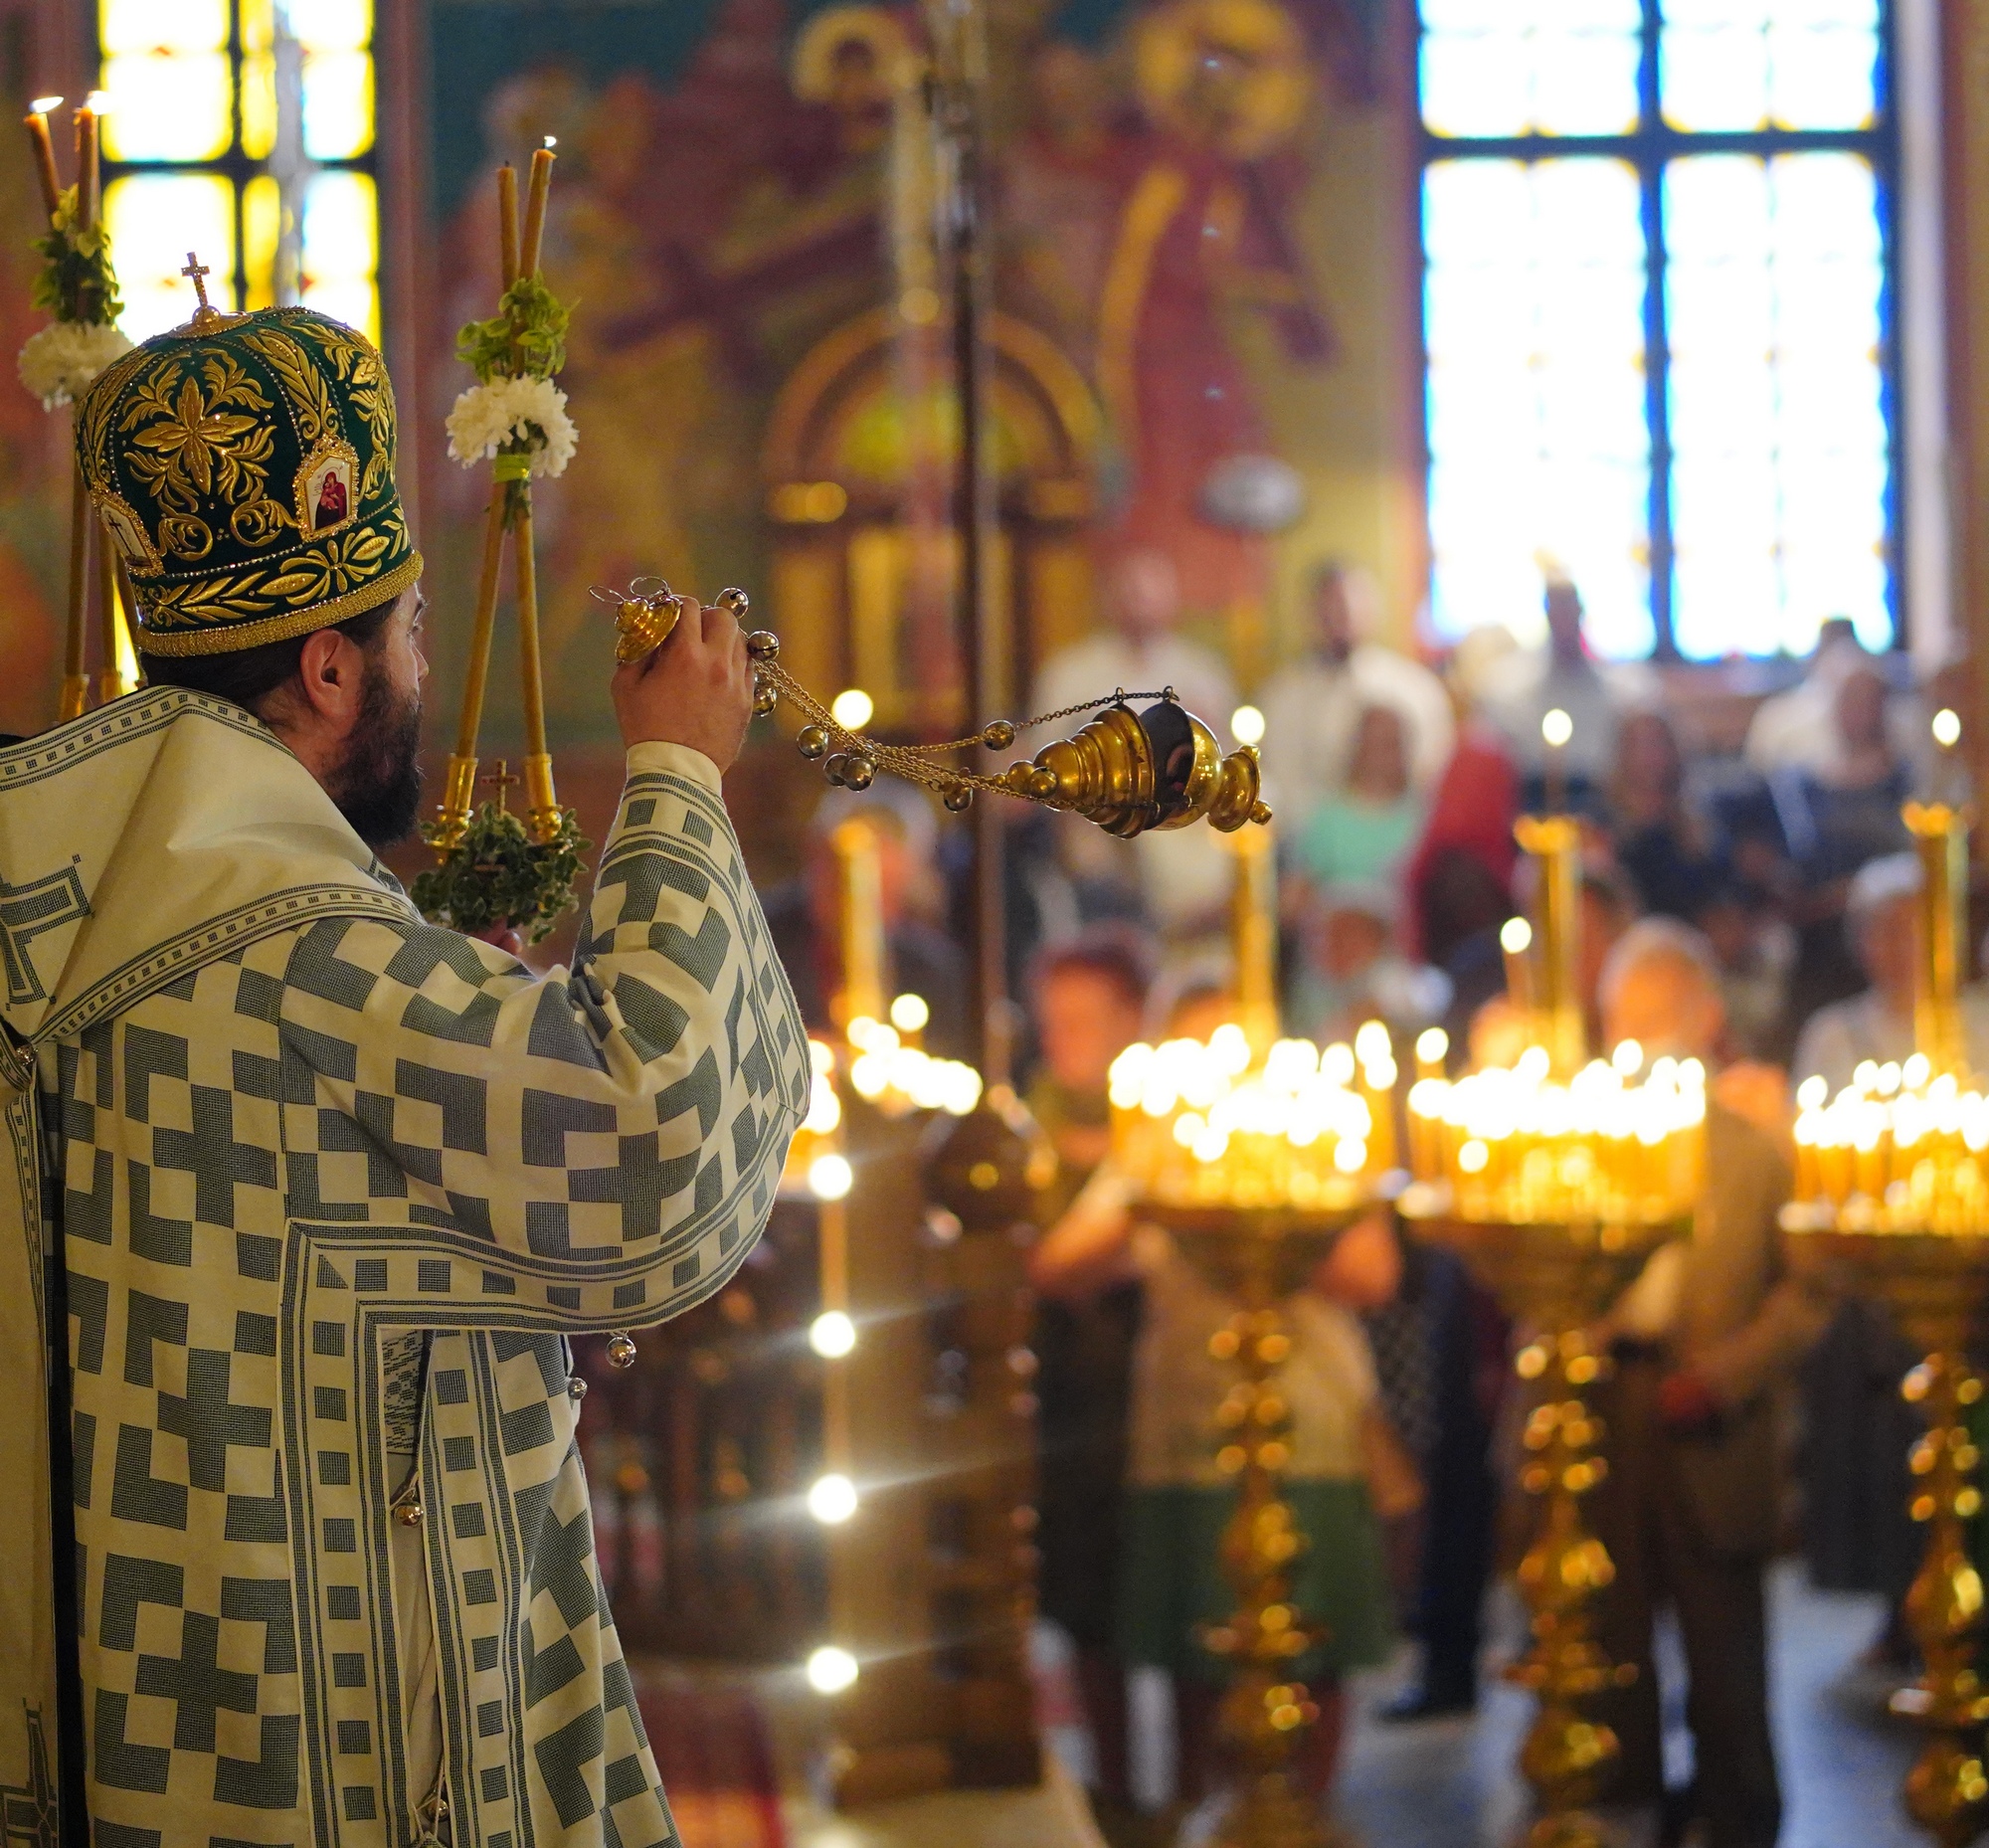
<point>621,1348</point>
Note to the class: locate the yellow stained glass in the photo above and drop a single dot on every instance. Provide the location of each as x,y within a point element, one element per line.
<point>338,104</point>
<point>261,230</point>
<point>259,105</point>
<point>258,25</point>
<point>154,219</point>
<point>168,105</point>
<point>332,25</point>
<point>342,250</point>
<point>153,25</point>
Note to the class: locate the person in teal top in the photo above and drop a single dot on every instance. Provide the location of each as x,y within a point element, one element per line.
<point>1364,834</point>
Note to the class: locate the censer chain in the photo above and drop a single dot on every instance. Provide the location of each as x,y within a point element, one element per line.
<point>911,761</point>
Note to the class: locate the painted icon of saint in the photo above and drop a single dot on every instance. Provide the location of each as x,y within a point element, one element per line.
<point>332,501</point>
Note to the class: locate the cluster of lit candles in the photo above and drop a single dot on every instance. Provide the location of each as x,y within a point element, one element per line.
<point>1614,1144</point>
<point>1210,1124</point>
<point>882,1065</point>
<point>1899,1149</point>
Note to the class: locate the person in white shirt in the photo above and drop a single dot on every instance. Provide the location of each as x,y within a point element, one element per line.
<point>1516,694</point>
<point>1139,650</point>
<point>1311,707</point>
<point>1183,877</point>
<point>1879,914</point>
<point>1797,730</point>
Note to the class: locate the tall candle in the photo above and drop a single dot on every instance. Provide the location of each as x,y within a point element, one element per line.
<point>535,209</point>
<point>37,124</point>
<point>507,222</point>
<point>86,166</point>
<point>1556,728</point>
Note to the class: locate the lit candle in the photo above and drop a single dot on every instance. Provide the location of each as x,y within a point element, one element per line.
<point>1556,728</point>
<point>37,124</point>
<point>1946,735</point>
<point>1516,938</point>
<point>536,190</point>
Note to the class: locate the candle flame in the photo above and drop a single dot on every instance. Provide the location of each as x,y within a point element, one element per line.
<point>1948,728</point>
<point>99,102</point>
<point>43,104</point>
<point>1556,728</point>
<point>1210,1124</point>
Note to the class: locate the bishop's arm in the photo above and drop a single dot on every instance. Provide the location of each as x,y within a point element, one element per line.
<point>622,1123</point>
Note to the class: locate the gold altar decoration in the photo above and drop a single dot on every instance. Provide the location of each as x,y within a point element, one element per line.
<point>1556,1178</point>
<point>78,287</point>
<point>1126,771</point>
<point>1255,1152</point>
<point>517,415</point>
<point>1891,1200</point>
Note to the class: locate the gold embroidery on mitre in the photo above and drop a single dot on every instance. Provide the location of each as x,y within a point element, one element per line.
<point>192,434</point>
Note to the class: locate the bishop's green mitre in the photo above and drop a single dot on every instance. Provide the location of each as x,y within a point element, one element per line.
<point>243,463</point>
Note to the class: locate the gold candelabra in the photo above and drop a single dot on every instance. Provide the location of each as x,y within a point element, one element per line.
<point>1556,1178</point>
<point>1891,1200</point>
<point>1255,1152</point>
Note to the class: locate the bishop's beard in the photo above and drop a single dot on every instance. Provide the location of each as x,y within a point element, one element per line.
<point>378,788</point>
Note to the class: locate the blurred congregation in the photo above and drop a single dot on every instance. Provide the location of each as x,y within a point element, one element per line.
<point>1748,897</point>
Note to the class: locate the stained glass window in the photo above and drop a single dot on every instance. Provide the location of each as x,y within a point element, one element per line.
<point>1659,360</point>
<point>242,129</point>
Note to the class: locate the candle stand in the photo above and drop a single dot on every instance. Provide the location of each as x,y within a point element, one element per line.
<point>1254,1153</point>
<point>1261,1257</point>
<point>1893,1203</point>
<point>1555,1180</point>
<point>1937,1287</point>
<point>1558,1279</point>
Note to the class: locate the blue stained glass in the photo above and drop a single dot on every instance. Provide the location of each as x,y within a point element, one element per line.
<point>1539,447</point>
<point>1780,450</point>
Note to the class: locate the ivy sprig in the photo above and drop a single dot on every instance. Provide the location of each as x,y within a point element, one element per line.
<point>497,875</point>
<point>524,339</point>
<point>76,282</point>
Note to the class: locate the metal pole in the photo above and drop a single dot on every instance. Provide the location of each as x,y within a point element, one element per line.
<point>960,42</point>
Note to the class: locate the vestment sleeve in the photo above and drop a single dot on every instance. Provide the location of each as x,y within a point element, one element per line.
<point>623,1122</point>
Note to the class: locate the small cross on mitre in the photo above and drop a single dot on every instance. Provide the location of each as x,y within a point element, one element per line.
<point>207,315</point>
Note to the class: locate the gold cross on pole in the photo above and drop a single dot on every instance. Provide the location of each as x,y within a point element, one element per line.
<point>195,271</point>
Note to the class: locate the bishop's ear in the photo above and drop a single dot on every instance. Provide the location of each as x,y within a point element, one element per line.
<point>330,687</point>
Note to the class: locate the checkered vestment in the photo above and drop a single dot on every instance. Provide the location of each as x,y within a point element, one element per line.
<point>299,1143</point>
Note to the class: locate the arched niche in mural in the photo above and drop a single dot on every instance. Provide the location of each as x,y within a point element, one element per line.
<point>859,461</point>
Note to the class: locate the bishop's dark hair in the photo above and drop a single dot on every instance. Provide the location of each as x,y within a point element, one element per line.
<point>247,676</point>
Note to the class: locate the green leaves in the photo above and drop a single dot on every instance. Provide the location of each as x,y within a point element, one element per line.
<point>524,339</point>
<point>497,875</point>
<point>77,283</point>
